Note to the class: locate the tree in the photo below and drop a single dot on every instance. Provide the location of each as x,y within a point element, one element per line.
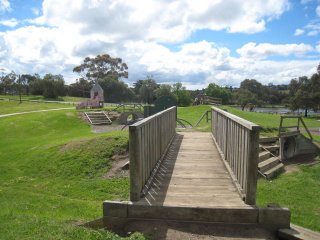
<point>305,93</point>
<point>115,90</point>
<point>81,88</point>
<point>164,90</point>
<point>183,96</point>
<point>146,89</point>
<point>53,86</point>
<point>102,66</point>
<point>213,90</point>
<point>244,97</point>
<point>7,82</point>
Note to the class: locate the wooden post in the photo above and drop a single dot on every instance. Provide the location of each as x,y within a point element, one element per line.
<point>135,164</point>
<point>252,167</point>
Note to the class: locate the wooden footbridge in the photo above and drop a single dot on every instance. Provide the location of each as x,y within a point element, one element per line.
<point>194,176</point>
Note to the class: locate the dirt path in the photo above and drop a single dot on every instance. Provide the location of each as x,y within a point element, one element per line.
<point>47,110</point>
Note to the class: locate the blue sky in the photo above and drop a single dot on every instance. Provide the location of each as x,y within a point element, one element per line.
<point>194,42</point>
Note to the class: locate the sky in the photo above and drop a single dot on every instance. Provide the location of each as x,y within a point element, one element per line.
<point>193,42</point>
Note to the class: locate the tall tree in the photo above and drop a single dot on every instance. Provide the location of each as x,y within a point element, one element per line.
<point>182,94</point>
<point>164,90</point>
<point>305,93</point>
<point>101,66</point>
<point>8,81</point>
<point>53,86</point>
<point>146,90</point>
<point>213,90</point>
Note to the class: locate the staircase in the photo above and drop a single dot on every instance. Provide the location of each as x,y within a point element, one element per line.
<point>269,162</point>
<point>98,118</point>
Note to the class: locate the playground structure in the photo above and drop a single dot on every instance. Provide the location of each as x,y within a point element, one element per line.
<point>96,98</point>
<point>204,99</point>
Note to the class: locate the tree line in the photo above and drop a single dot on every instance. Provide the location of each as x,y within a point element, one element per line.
<point>301,93</point>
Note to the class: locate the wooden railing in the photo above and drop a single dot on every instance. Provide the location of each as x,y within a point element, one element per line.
<point>148,141</point>
<point>238,142</point>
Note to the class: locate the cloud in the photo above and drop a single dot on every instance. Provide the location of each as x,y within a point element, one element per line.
<point>4,6</point>
<point>264,50</point>
<point>160,20</point>
<point>141,33</point>
<point>298,32</point>
<point>318,11</point>
<point>9,22</point>
<point>303,2</point>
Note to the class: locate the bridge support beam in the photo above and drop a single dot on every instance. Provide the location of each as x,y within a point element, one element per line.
<point>270,217</point>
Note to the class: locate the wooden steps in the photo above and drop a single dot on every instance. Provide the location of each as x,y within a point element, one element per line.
<point>269,164</point>
<point>98,118</point>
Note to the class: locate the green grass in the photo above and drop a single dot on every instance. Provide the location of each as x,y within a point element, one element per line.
<point>40,97</point>
<point>299,191</point>
<point>270,122</point>
<point>52,172</point>
<point>14,106</point>
<point>193,114</point>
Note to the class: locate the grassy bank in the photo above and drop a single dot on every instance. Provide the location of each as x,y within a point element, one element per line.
<point>41,98</point>
<point>15,106</point>
<point>52,176</point>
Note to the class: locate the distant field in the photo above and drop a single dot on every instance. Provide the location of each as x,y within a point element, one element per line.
<point>15,106</point>
<point>39,97</point>
<point>268,122</point>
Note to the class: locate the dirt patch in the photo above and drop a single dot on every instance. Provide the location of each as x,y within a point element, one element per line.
<point>292,164</point>
<point>72,145</point>
<point>172,230</point>
<point>119,165</point>
<point>106,128</point>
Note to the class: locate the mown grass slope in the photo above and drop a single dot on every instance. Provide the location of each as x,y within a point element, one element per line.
<point>52,176</point>
<point>7,107</point>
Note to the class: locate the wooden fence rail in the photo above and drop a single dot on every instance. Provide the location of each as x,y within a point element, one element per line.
<point>238,143</point>
<point>148,141</point>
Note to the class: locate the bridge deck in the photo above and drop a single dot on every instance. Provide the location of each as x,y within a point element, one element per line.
<point>193,175</point>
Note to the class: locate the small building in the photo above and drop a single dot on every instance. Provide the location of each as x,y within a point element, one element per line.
<point>96,98</point>
<point>96,93</point>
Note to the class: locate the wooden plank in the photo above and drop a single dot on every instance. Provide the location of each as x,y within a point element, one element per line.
<point>237,119</point>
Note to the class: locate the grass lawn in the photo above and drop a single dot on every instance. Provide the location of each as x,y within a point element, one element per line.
<point>298,191</point>
<point>193,114</point>
<point>52,176</point>
<point>40,97</point>
<point>14,106</point>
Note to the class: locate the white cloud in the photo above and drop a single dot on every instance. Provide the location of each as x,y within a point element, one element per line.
<point>313,33</point>
<point>4,6</point>
<point>67,31</point>
<point>305,1</point>
<point>35,11</point>
<point>318,47</point>
<point>263,50</point>
<point>160,20</point>
<point>9,22</point>
<point>318,11</point>
<point>298,32</point>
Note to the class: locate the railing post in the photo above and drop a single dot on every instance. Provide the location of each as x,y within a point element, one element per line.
<point>252,167</point>
<point>135,164</point>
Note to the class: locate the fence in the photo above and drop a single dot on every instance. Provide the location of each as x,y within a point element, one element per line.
<point>148,141</point>
<point>238,143</point>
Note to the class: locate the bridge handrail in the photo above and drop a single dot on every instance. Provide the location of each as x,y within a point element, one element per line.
<point>148,141</point>
<point>238,142</point>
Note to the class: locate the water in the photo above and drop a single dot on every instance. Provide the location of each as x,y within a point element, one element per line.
<point>282,110</point>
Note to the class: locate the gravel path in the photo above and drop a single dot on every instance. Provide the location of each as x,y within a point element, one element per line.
<point>47,110</point>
